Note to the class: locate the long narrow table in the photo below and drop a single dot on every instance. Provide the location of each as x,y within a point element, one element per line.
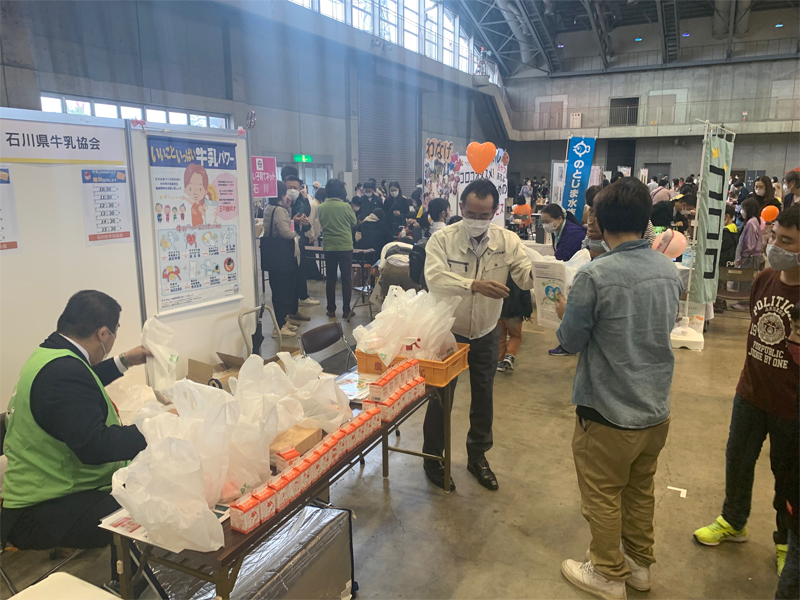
<point>221,567</point>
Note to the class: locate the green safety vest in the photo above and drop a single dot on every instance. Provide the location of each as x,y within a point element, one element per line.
<point>40,467</point>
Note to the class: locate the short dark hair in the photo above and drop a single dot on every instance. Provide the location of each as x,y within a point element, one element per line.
<point>454,219</point>
<point>738,183</point>
<point>664,182</point>
<point>378,212</point>
<point>358,185</point>
<point>86,312</point>
<point>730,211</point>
<point>790,217</point>
<point>289,178</point>
<point>792,177</point>
<point>396,184</point>
<point>520,201</point>
<point>617,175</point>
<point>481,188</point>
<point>335,189</point>
<point>321,195</point>
<point>687,188</point>
<point>419,181</point>
<point>288,171</point>
<point>624,206</point>
<point>591,192</point>
<point>356,200</point>
<point>795,314</point>
<point>437,207</point>
<point>654,178</point>
<point>554,210</point>
<point>370,185</point>
<point>690,199</point>
<point>281,193</point>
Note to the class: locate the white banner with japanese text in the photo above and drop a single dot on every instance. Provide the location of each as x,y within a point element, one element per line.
<point>196,215</point>
<point>37,142</point>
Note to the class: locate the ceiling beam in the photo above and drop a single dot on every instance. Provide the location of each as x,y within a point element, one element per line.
<point>731,27</point>
<point>495,54</point>
<point>535,36</point>
<point>660,11</point>
<point>598,33</point>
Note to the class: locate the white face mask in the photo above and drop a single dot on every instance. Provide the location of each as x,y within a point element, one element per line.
<point>549,227</point>
<point>293,194</point>
<point>475,228</point>
<point>107,352</point>
<point>761,192</point>
<point>782,260</point>
<point>368,194</point>
<point>394,194</point>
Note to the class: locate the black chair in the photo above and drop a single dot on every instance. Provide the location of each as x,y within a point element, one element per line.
<point>325,336</point>
<point>53,553</point>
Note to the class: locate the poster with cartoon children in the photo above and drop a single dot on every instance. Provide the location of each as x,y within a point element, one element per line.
<point>196,217</point>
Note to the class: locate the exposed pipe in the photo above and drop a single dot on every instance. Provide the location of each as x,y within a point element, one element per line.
<point>742,17</point>
<point>519,30</point>
<point>722,12</point>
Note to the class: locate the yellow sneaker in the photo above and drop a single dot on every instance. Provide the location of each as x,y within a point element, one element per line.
<point>720,531</point>
<point>780,553</point>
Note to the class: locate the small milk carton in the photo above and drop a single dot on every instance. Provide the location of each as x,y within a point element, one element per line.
<point>375,418</point>
<point>302,478</point>
<point>314,467</point>
<point>379,390</point>
<point>414,368</point>
<point>287,458</point>
<point>352,435</point>
<point>245,514</point>
<point>293,476</point>
<point>322,457</point>
<point>341,443</point>
<point>266,501</point>
<point>393,380</point>
<point>282,489</point>
<point>330,450</point>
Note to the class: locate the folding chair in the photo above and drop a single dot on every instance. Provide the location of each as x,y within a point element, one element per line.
<point>53,553</point>
<point>736,275</point>
<point>325,336</point>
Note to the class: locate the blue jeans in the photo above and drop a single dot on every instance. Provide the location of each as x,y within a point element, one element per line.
<point>789,583</point>
<point>750,426</point>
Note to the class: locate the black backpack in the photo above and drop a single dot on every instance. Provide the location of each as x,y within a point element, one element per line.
<point>416,263</point>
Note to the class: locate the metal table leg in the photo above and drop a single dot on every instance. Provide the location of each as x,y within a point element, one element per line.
<point>123,566</point>
<point>385,448</point>
<point>447,397</point>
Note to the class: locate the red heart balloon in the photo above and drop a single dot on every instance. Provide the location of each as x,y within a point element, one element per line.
<point>480,156</point>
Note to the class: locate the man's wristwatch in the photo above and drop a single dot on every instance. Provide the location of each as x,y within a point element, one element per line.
<point>124,361</point>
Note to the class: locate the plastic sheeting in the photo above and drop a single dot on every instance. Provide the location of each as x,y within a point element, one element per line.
<point>309,557</point>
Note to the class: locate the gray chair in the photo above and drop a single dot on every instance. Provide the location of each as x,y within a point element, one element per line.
<point>325,336</point>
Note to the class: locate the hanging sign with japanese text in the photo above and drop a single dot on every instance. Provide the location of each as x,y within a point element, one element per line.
<point>106,206</point>
<point>37,142</point>
<point>196,216</point>
<point>579,168</point>
<point>264,171</point>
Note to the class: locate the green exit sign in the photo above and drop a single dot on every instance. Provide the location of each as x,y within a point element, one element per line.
<point>303,158</point>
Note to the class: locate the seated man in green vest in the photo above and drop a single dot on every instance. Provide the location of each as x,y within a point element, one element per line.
<point>64,440</point>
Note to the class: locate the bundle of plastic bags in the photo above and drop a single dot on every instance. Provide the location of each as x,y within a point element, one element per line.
<point>411,324</point>
<point>161,367</point>
<point>163,490</point>
<point>130,397</point>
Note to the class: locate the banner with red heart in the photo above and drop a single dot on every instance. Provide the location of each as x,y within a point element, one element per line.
<point>480,156</point>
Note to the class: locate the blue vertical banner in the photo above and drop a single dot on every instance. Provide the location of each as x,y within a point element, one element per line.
<point>580,151</point>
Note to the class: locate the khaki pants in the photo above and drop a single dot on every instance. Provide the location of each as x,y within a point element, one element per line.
<point>510,336</point>
<point>615,470</point>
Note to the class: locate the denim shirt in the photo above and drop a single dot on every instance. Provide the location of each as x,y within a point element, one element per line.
<point>620,312</point>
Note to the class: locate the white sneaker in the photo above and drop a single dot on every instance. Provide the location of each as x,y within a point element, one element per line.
<point>285,332</point>
<point>584,577</point>
<point>640,576</point>
<point>308,302</point>
<point>291,326</point>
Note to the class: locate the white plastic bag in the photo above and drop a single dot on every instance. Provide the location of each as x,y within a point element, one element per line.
<point>324,404</point>
<point>160,369</point>
<point>162,489</point>
<point>129,397</point>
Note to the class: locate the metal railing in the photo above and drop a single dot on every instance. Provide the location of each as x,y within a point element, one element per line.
<point>718,111</point>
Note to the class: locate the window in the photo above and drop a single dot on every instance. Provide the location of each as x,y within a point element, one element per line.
<point>362,14</point>
<point>623,111</point>
<point>79,107</point>
<point>388,20</point>
<point>130,112</point>
<point>218,122</point>
<point>105,110</point>
<point>332,8</point>
<point>52,104</point>
<point>449,37</point>
<point>411,25</point>
<point>198,120</point>
<point>178,118</point>
<point>303,3</point>
<point>431,29</point>
<point>156,116</point>
<point>463,51</point>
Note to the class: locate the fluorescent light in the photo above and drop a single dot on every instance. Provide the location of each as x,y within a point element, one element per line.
<point>685,34</point>
<point>638,39</point>
<point>561,45</point>
<point>779,24</point>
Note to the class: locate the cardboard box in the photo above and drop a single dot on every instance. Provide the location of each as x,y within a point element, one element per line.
<point>219,374</point>
<point>245,514</point>
<point>302,438</point>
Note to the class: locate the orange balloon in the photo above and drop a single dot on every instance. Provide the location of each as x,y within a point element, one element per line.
<point>770,213</point>
<point>480,156</point>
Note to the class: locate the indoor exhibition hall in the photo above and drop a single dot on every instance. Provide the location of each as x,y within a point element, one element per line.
<point>399,299</point>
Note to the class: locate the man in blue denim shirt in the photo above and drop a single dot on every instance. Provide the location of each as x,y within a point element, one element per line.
<point>620,313</point>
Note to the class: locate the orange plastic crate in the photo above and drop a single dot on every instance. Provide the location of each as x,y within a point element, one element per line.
<point>436,373</point>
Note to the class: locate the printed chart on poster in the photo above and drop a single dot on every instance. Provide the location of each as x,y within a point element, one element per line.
<point>106,206</point>
<point>549,280</point>
<point>196,215</point>
<point>9,226</point>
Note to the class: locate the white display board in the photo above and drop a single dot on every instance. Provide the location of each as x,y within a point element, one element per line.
<point>205,327</point>
<point>53,260</point>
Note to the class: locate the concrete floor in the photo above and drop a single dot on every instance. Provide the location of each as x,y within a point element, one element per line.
<point>413,541</point>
